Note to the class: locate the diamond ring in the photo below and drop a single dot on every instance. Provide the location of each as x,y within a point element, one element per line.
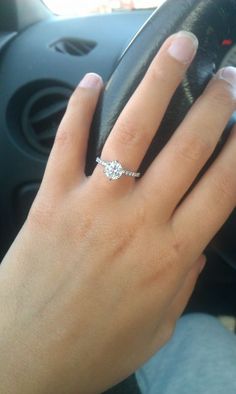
<point>114,170</point>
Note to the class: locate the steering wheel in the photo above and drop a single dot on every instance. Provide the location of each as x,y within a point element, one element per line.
<point>213,22</point>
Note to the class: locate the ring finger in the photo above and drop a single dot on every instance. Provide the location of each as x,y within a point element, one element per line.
<point>138,122</point>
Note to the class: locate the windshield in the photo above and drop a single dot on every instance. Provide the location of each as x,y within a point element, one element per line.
<point>82,7</point>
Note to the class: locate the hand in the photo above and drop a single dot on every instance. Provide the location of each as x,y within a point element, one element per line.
<point>101,270</point>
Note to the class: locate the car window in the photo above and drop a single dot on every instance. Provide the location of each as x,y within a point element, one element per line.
<point>81,7</point>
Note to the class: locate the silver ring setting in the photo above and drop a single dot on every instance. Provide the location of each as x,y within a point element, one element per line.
<point>114,170</point>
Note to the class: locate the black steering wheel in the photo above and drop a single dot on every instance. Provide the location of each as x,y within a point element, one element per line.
<point>213,22</point>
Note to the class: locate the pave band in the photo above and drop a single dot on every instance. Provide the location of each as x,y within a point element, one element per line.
<point>114,170</point>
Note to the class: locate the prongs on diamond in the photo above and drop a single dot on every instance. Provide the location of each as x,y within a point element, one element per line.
<point>114,170</point>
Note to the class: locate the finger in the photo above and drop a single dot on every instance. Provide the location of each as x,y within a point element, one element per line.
<point>176,167</point>
<point>138,122</point>
<point>67,159</point>
<point>206,208</point>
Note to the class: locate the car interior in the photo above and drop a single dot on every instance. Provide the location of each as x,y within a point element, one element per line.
<point>43,56</point>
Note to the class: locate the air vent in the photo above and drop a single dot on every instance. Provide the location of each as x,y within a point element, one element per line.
<point>73,47</point>
<point>42,115</point>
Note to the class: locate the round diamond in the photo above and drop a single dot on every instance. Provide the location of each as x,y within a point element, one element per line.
<point>113,170</point>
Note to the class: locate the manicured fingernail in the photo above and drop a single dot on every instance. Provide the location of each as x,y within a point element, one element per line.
<point>228,74</point>
<point>91,81</point>
<point>183,47</point>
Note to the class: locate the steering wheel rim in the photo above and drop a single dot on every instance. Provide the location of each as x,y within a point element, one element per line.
<point>212,22</point>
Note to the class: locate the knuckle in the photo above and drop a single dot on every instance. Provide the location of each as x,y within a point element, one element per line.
<point>82,98</point>
<point>157,73</point>
<point>193,147</point>
<point>178,249</point>
<point>126,133</point>
<point>62,136</point>
<point>66,135</point>
<point>222,95</point>
<point>75,97</point>
<point>179,242</point>
<point>224,185</point>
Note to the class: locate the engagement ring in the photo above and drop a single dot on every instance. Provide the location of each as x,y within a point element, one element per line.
<point>114,170</point>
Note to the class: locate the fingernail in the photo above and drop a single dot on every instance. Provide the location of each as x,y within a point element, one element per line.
<point>91,81</point>
<point>183,47</point>
<point>228,74</point>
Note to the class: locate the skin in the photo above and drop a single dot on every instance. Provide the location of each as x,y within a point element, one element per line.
<point>100,272</point>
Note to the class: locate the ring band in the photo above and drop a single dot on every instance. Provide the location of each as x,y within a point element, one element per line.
<point>114,170</point>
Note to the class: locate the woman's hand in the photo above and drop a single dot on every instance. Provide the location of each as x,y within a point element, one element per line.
<point>101,270</point>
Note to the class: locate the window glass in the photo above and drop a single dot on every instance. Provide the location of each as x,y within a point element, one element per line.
<point>83,7</point>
